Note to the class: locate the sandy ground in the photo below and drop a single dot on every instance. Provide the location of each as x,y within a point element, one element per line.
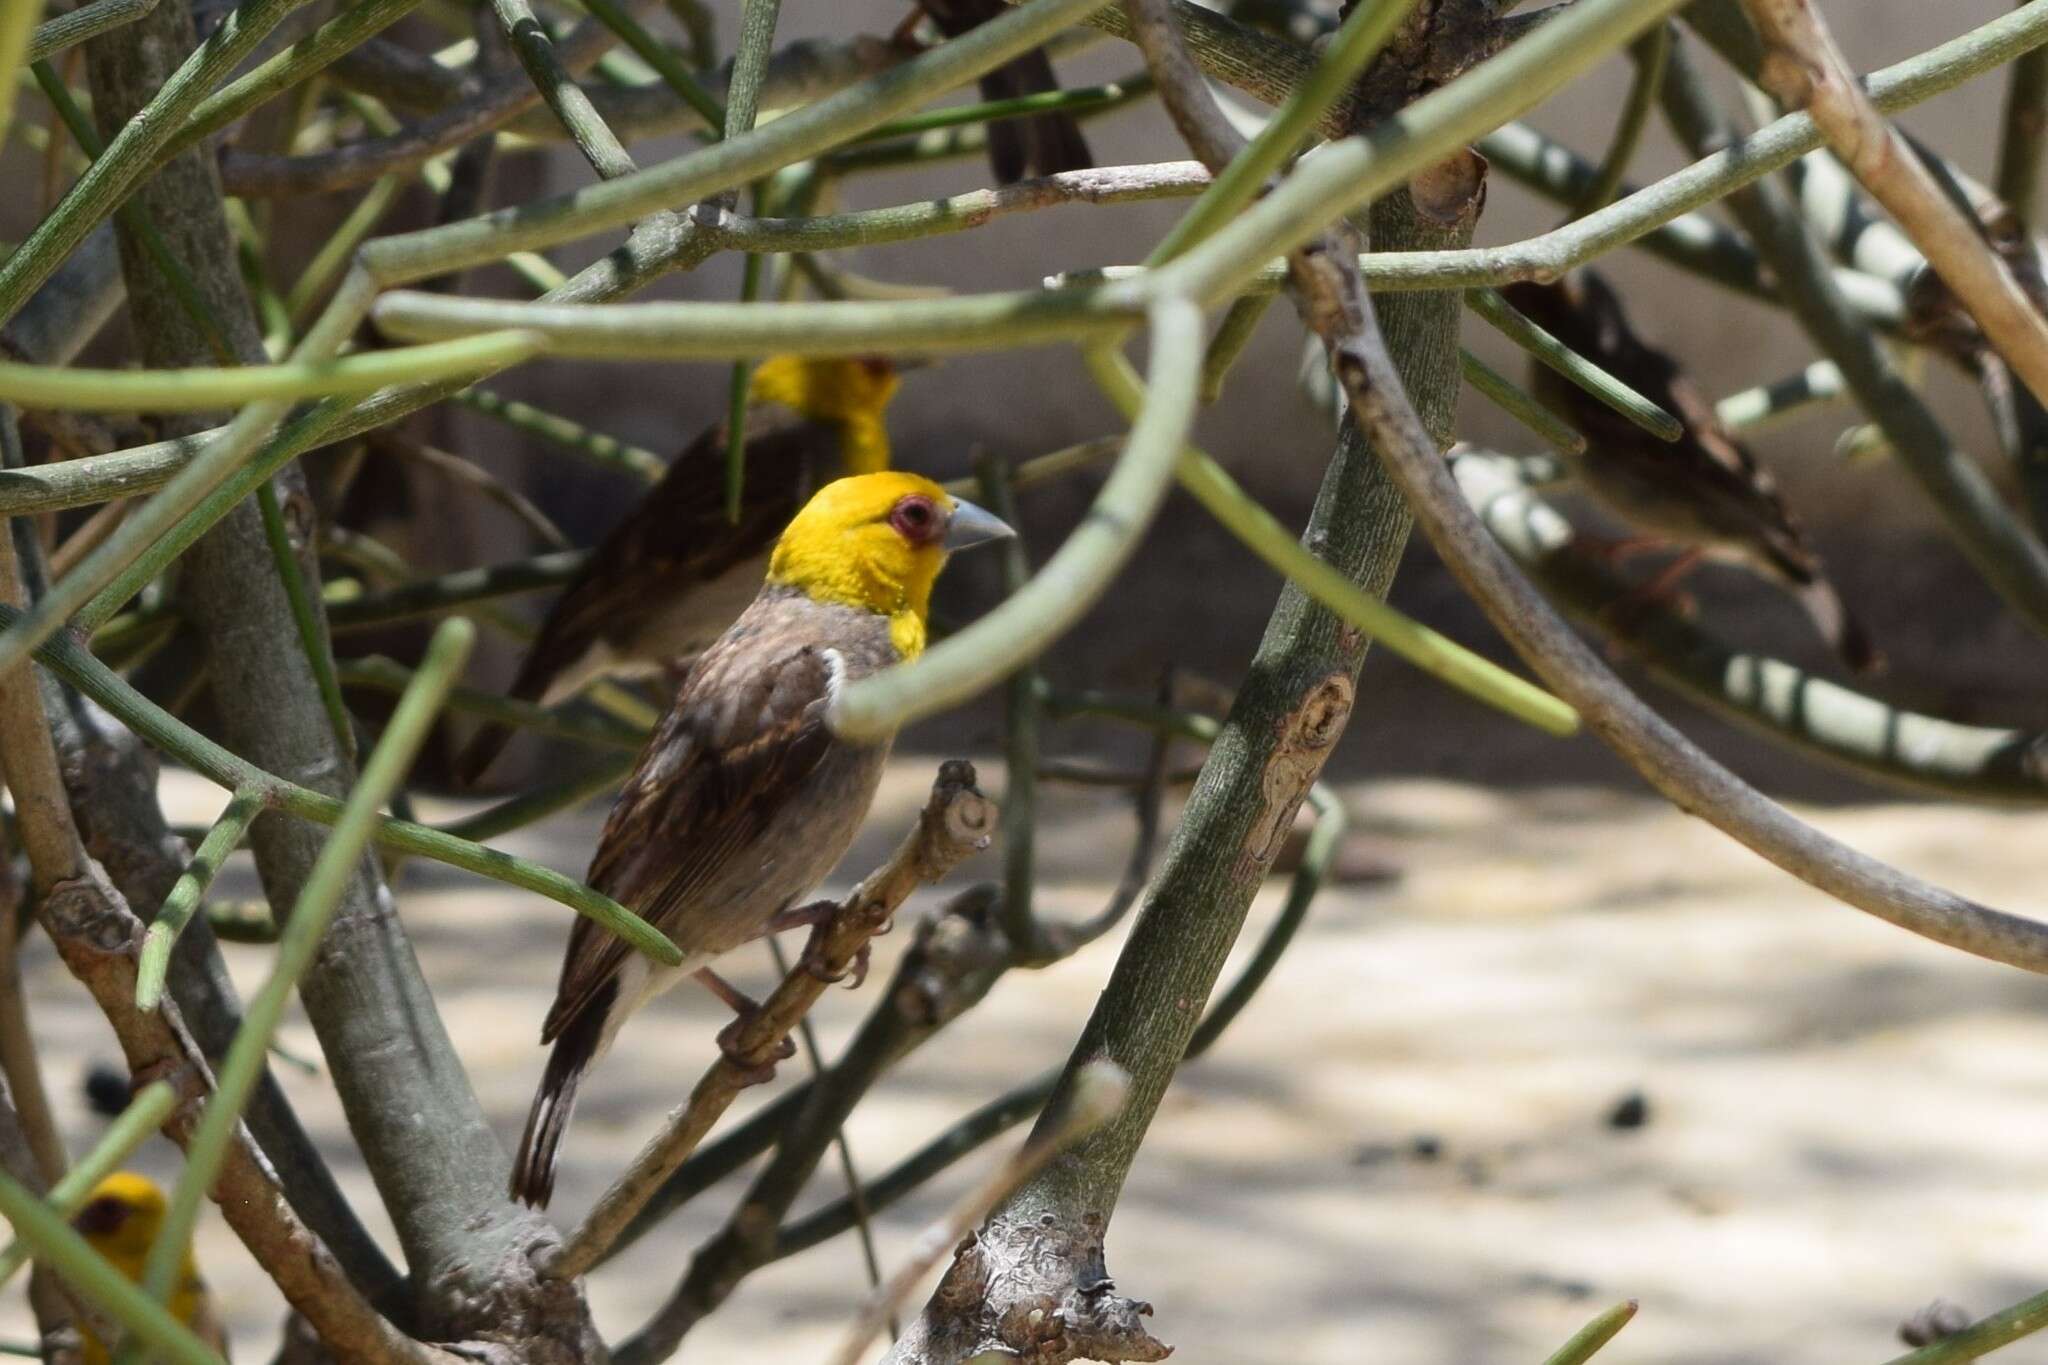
<point>1401,1153</point>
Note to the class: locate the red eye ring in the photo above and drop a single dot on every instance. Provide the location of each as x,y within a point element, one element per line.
<point>916,518</point>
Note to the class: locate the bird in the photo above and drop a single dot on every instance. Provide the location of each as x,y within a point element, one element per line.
<point>1043,144</point>
<point>1705,491</point>
<point>678,569</point>
<point>744,800</point>
<point>121,1220</point>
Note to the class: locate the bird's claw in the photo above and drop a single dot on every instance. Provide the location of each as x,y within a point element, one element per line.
<point>855,974</point>
<point>751,1072</point>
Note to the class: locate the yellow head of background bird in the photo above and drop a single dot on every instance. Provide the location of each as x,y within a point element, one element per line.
<point>850,393</point>
<point>121,1220</point>
<point>877,542</point>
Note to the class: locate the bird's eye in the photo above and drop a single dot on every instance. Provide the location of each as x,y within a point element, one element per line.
<point>101,1215</point>
<point>915,519</point>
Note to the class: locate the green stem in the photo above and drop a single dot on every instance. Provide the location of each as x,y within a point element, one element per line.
<point>18,33</point>
<point>197,390</point>
<point>330,876</point>
<point>93,1278</point>
<point>1233,334</point>
<point>1078,573</point>
<point>2000,1329</point>
<point>146,1112</point>
<point>67,30</point>
<point>133,216</point>
<point>1261,533</point>
<point>596,446</point>
<point>71,662</point>
<point>805,133</point>
<point>187,895</point>
<point>571,106</point>
<point>1363,36</point>
<point>432,596</point>
<point>1593,1335</point>
<point>333,39</point>
<point>1081,99</point>
<point>305,618</point>
<point>156,533</point>
<point>1557,356</point>
<point>1652,51</point>
<point>658,56</point>
<point>728,331</point>
<point>1346,175</point>
<point>133,151</point>
<point>749,63</point>
<point>1519,404</point>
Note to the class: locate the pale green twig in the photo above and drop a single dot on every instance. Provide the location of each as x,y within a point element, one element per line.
<point>321,894</point>
<point>1078,572</point>
<point>1595,1334</point>
<point>187,894</point>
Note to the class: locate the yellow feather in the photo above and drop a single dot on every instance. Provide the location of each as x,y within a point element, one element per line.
<point>849,394</point>
<point>121,1220</point>
<point>841,548</point>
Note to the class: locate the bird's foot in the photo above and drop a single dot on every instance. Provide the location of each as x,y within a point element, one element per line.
<point>751,1072</point>
<point>856,971</point>
<point>802,916</point>
<point>745,1009</point>
<point>1614,550</point>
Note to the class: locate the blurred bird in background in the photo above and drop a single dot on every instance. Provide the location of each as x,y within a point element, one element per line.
<point>744,799</point>
<point>1043,144</point>
<point>121,1220</point>
<point>672,576</point>
<point>1704,492</point>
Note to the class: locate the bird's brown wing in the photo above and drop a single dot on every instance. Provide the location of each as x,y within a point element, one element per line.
<point>745,732</point>
<point>676,538</point>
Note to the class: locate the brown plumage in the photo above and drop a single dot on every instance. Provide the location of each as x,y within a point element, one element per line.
<point>1704,491</point>
<point>744,800</point>
<point>1044,144</point>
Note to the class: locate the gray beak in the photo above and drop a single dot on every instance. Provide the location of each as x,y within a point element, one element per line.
<point>973,525</point>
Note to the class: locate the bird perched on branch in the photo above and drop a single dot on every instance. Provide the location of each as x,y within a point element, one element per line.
<point>1704,492</point>
<point>744,800</point>
<point>677,570</point>
<point>1043,144</point>
<point>121,1221</point>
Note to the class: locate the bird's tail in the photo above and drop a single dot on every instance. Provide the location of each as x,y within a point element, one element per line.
<point>1844,634</point>
<point>1043,144</point>
<point>533,1170</point>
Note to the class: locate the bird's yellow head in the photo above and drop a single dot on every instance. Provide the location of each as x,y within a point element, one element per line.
<point>851,394</point>
<point>121,1220</point>
<point>877,542</point>
<point>122,1217</point>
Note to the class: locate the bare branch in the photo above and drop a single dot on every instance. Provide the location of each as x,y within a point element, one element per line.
<point>1805,70</point>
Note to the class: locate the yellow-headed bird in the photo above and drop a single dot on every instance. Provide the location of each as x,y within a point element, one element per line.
<point>121,1220</point>
<point>677,570</point>
<point>744,800</point>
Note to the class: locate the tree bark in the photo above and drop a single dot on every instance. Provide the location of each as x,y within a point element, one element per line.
<point>438,1166</point>
<point>1034,1281</point>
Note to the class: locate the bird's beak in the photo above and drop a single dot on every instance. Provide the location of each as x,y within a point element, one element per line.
<point>973,525</point>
